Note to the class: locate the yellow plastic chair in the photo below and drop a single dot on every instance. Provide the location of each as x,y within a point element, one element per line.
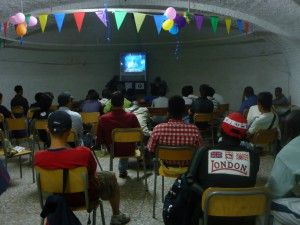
<point>72,138</point>
<point>91,118</point>
<point>206,118</point>
<point>236,202</point>
<point>31,111</point>
<point>129,135</point>
<point>51,182</point>
<point>4,151</point>
<point>53,108</point>
<point>169,153</point>
<point>37,126</point>
<point>18,111</point>
<point>265,138</point>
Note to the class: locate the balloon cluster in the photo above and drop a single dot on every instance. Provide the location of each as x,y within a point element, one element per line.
<point>19,20</point>
<point>173,22</point>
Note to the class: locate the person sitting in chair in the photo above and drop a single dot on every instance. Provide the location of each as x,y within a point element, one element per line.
<point>59,156</point>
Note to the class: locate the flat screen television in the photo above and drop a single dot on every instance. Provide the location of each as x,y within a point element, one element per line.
<point>133,66</point>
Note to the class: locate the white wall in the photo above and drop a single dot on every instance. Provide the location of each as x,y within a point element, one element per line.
<point>228,68</point>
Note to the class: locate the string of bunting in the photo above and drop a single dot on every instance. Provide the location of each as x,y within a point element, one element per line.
<point>170,21</point>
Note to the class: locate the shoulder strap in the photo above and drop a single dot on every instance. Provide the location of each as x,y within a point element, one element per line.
<point>273,121</point>
<point>195,163</point>
<point>65,179</point>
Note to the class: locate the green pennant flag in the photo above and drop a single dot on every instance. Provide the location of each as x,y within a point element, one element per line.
<point>27,18</point>
<point>214,20</point>
<point>119,16</point>
<point>139,19</point>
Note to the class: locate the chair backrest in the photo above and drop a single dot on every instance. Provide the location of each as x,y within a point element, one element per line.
<point>265,137</point>
<point>174,153</point>
<point>16,124</point>
<point>127,135</point>
<point>235,202</point>
<point>158,111</point>
<point>53,108</point>
<point>17,109</point>
<point>41,124</point>
<point>72,138</point>
<point>203,117</point>
<point>90,117</point>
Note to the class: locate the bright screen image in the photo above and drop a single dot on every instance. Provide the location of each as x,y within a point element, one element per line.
<point>133,63</point>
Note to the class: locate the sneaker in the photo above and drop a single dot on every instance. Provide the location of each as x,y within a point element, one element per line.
<point>122,218</point>
<point>123,174</point>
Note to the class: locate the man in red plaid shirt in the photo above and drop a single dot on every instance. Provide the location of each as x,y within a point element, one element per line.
<point>175,132</point>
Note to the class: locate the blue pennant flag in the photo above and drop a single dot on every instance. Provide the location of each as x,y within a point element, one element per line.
<point>240,25</point>
<point>159,19</point>
<point>59,17</point>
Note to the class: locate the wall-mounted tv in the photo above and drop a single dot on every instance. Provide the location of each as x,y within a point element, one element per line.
<point>133,66</point>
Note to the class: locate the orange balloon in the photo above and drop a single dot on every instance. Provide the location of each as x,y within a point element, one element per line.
<point>21,29</point>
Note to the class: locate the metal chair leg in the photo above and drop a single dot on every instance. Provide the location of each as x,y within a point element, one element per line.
<point>138,169</point>
<point>102,213</point>
<point>154,193</point>
<point>145,173</point>
<point>94,216</point>
<point>111,163</point>
<point>162,188</point>
<point>20,164</point>
<point>97,160</point>
<point>32,168</point>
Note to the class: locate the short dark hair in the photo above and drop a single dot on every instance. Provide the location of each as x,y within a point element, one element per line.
<point>117,99</point>
<point>210,92</point>
<point>265,100</point>
<point>106,93</point>
<point>162,90</point>
<point>203,89</point>
<point>64,98</point>
<point>248,91</point>
<point>187,90</point>
<point>93,94</point>
<point>18,89</point>
<point>176,107</point>
<point>279,89</point>
<point>37,96</point>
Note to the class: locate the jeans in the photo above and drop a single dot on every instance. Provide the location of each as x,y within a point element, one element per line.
<point>123,165</point>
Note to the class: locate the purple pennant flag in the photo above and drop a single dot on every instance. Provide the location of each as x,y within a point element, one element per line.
<point>199,21</point>
<point>102,16</point>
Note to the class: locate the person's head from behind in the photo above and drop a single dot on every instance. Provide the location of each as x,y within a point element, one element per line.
<point>19,90</point>
<point>106,93</point>
<point>264,101</point>
<point>210,92</point>
<point>65,99</point>
<point>130,94</point>
<point>248,91</point>
<point>37,96</point>
<point>92,95</point>
<point>1,98</point>
<point>59,126</point>
<point>234,127</point>
<point>204,89</point>
<point>187,90</point>
<point>176,107</point>
<point>292,127</point>
<point>278,92</point>
<point>45,101</point>
<point>162,91</point>
<point>117,99</point>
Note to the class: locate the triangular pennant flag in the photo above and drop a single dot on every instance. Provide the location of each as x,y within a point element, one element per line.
<point>199,21</point>
<point>79,16</point>
<point>43,21</point>
<point>102,16</point>
<point>119,16</point>
<point>159,19</point>
<point>59,18</point>
<point>240,25</point>
<point>139,19</point>
<point>228,24</point>
<point>246,27</point>
<point>27,18</point>
<point>214,20</point>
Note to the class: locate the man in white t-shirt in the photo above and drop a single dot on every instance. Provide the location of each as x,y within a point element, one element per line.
<point>253,113</point>
<point>267,119</point>
<point>160,102</point>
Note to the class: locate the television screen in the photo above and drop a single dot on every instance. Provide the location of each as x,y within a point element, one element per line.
<point>133,63</point>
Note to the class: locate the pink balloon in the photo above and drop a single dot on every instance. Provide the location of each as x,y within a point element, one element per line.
<point>170,13</point>
<point>20,18</point>
<point>32,21</point>
<point>12,20</point>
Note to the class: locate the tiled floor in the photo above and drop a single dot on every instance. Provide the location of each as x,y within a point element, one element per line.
<point>20,205</point>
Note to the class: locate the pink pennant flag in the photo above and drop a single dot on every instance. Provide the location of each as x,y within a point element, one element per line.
<point>199,21</point>
<point>102,16</point>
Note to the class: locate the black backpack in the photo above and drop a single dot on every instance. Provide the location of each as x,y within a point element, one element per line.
<point>182,205</point>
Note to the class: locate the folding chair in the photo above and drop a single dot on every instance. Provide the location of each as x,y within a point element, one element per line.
<point>129,135</point>
<point>19,125</point>
<point>265,138</point>
<point>39,125</point>
<point>72,138</point>
<point>169,153</point>
<point>236,202</point>
<point>51,181</point>
<point>4,151</point>
<point>206,118</point>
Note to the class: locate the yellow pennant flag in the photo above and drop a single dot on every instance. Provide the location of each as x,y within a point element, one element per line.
<point>139,19</point>
<point>43,21</point>
<point>228,24</point>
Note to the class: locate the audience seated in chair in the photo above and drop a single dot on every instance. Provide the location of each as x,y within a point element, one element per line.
<point>91,103</point>
<point>281,103</point>
<point>160,102</point>
<point>117,118</point>
<point>248,99</point>
<point>102,185</point>
<point>210,95</point>
<point>229,164</point>
<point>175,132</point>
<point>186,91</point>
<point>19,100</point>
<point>65,102</point>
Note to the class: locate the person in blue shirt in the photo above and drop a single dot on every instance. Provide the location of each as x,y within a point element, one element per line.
<point>249,99</point>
